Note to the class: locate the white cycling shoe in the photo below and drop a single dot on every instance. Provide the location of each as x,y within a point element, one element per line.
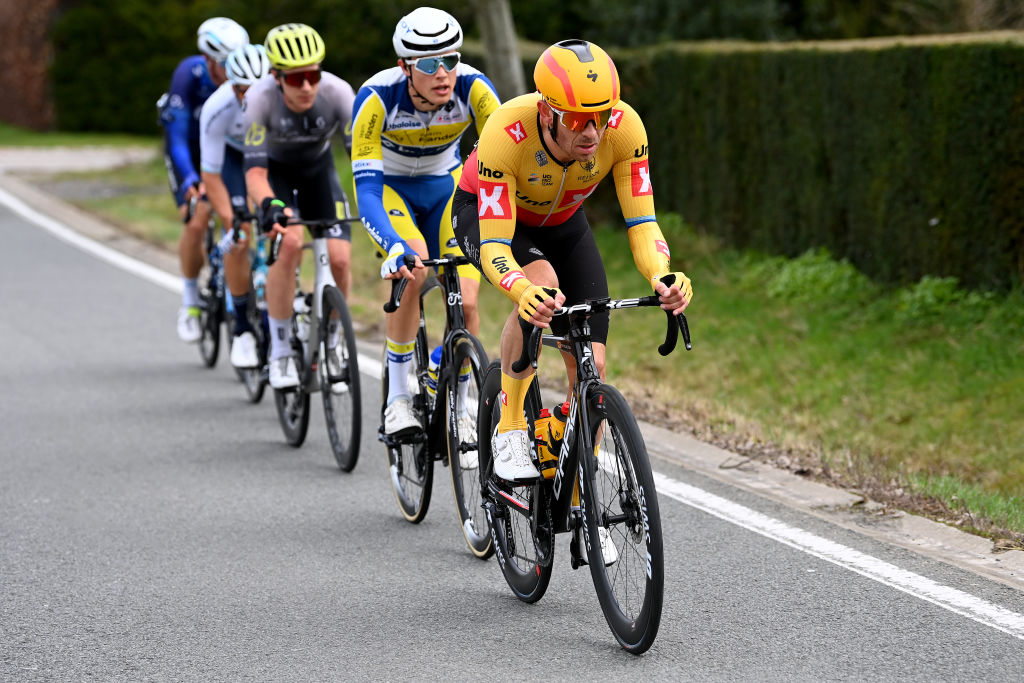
<point>608,549</point>
<point>399,418</point>
<point>283,373</point>
<point>189,330</point>
<point>512,461</point>
<point>243,351</point>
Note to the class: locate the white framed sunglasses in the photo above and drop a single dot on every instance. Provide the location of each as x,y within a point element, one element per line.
<point>430,65</point>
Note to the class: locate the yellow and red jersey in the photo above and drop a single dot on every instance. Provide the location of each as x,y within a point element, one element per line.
<point>517,179</point>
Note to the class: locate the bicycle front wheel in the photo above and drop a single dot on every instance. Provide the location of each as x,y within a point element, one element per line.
<point>410,463</point>
<point>210,318</point>
<point>463,399</point>
<point>622,522</point>
<point>293,407</point>
<point>519,517</point>
<point>254,379</point>
<point>339,379</point>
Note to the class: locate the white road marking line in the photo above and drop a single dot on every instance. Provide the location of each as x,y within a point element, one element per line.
<point>143,270</point>
<point>964,604</point>
<point>954,600</point>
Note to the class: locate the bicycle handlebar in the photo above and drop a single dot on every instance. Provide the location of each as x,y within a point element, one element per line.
<point>532,334</point>
<point>409,261</point>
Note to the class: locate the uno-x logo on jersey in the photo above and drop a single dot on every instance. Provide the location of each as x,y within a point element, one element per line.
<point>662,248</point>
<point>510,279</point>
<point>493,200</point>
<point>577,196</point>
<point>516,131</point>
<point>640,176</point>
<point>615,119</point>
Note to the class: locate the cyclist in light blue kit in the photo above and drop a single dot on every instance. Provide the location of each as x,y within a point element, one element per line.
<point>222,143</point>
<point>194,80</point>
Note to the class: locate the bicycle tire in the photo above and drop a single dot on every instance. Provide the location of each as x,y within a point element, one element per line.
<point>466,482</point>
<point>253,379</point>
<point>524,559</point>
<point>211,314</point>
<point>293,407</point>
<point>410,463</point>
<point>340,392</point>
<point>619,495</point>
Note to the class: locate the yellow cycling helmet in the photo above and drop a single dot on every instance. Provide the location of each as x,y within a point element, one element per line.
<point>293,45</point>
<point>577,75</point>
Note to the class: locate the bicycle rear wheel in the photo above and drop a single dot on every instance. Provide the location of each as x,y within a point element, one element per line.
<point>519,517</point>
<point>339,379</point>
<point>410,462</point>
<point>293,407</point>
<point>463,452</point>
<point>210,318</point>
<point>619,501</point>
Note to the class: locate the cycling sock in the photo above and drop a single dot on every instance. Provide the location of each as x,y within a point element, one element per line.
<point>465,374</point>
<point>280,338</point>
<point>399,362</point>
<point>514,394</point>
<point>190,292</point>
<point>241,303</point>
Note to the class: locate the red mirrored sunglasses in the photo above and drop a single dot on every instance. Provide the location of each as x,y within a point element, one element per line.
<point>297,78</point>
<point>578,120</point>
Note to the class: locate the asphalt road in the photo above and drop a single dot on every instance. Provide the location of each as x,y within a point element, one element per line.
<point>154,526</point>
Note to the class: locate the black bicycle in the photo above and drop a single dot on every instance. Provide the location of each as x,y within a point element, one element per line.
<point>324,347</point>
<point>214,304</point>
<point>602,489</point>
<point>255,379</point>
<point>447,415</point>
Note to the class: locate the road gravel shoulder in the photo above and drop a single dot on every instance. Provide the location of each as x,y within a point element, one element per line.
<point>846,509</point>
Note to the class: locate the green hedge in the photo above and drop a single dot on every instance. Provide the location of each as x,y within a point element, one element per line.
<point>907,159</point>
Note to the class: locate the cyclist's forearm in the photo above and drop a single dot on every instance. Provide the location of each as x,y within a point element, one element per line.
<point>502,269</point>
<point>650,250</point>
<point>257,184</point>
<point>370,200</point>
<point>219,198</point>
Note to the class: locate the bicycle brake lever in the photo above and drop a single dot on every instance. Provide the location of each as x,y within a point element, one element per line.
<point>531,346</point>
<point>398,286</point>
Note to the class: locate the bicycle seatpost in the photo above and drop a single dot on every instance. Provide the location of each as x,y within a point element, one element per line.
<point>398,286</point>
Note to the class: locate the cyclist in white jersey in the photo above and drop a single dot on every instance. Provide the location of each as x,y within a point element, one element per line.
<point>222,143</point>
<point>290,118</point>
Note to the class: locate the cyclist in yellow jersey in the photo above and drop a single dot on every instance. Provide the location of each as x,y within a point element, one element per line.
<point>519,216</point>
<point>407,124</point>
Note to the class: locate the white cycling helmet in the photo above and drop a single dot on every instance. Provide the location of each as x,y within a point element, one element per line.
<point>426,31</point>
<point>247,64</point>
<point>218,36</point>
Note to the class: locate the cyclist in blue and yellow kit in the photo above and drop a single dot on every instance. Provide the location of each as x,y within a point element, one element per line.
<point>194,80</point>
<point>407,124</point>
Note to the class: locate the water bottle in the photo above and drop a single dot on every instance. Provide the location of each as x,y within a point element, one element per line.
<point>548,430</point>
<point>301,309</point>
<point>435,363</point>
<point>259,285</point>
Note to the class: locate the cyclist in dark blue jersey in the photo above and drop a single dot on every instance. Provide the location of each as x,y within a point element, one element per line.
<point>194,80</point>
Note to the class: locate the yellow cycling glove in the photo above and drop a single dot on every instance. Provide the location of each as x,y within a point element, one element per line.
<point>532,297</point>
<point>679,279</point>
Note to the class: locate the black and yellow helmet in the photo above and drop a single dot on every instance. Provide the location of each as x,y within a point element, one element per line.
<point>293,45</point>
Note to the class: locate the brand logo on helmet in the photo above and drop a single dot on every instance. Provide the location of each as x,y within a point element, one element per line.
<point>516,131</point>
<point>592,76</point>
